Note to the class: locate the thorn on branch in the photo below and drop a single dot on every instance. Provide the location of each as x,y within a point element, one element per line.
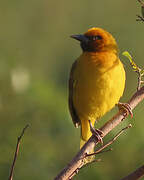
<point>16,152</point>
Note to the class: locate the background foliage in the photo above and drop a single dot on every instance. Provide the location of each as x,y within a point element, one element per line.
<point>36,54</point>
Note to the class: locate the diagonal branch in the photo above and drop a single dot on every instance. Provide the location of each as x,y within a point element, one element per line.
<point>139,18</point>
<point>137,174</point>
<point>100,150</point>
<point>76,162</point>
<point>141,2</point>
<point>16,152</point>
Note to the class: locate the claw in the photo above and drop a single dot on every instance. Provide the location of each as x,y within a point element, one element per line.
<point>126,107</point>
<point>96,132</point>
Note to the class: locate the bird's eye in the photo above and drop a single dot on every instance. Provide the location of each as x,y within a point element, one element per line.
<point>93,38</point>
<point>97,38</point>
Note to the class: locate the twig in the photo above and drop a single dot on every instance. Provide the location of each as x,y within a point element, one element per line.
<point>141,2</point>
<point>139,18</point>
<point>110,142</point>
<point>137,174</point>
<point>104,151</point>
<point>135,67</point>
<point>76,162</point>
<point>100,150</point>
<point>139,81</point>
<point>16,152</point>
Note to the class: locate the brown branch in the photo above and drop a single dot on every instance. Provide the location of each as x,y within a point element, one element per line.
<point>100,150</point>
<point>16,152</point>
<point>141,2</point>
<point>76,162</point>
<point>139,81</point>
<point>139,18</point>
<point>137,174</point>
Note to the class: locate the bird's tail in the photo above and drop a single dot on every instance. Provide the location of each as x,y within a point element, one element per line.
<point>85,135</point>
<point>85,132</point>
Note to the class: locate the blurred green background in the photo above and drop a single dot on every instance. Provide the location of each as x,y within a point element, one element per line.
<point>36,54</point>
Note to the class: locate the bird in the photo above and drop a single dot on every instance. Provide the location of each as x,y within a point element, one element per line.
<point>96,80</point>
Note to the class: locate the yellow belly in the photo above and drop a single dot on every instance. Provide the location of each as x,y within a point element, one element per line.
<point>98,87</point>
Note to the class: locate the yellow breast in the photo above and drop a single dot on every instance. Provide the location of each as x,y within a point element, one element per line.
<point>99,84</point>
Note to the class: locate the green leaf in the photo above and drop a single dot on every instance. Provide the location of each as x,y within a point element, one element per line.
<point>133,64</point>
<point>127,54</point>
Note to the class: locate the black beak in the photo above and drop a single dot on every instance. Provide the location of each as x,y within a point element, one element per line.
<point>80,37</point>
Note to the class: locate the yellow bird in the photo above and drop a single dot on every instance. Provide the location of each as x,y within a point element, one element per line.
<point>97,79</point>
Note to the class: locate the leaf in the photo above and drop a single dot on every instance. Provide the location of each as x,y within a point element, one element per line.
<point>133,64</point>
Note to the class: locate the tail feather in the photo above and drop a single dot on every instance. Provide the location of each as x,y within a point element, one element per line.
<point>89,158</point>
<point>85,135</point>
<point>82,142</point>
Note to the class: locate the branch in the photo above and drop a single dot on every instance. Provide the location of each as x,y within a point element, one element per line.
<point>141,18</point>
<point>100,150</point>
<point>16,152</point>
<point>137,174</point>
<point>77,162</point>
<point>141,2</point>
<point>136,68</point>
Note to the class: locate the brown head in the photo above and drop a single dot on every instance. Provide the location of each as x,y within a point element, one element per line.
<point>95,40</point>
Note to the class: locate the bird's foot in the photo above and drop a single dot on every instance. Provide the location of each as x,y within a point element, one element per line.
<point>96,132</point>
<point>127,109</point>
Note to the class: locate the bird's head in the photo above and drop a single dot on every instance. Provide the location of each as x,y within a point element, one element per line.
<point>95,40</point>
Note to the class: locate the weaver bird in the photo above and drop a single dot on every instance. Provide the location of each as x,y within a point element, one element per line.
<point>97,79</point>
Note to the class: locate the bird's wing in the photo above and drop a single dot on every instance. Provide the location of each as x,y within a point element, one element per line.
<point>72,84</point>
